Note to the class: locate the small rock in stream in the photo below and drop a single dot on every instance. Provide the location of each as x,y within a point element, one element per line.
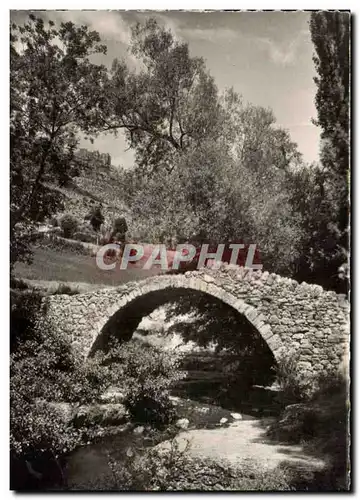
<point>182,423</point>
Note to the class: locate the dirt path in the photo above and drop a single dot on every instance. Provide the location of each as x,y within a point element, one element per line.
<point>241,441</point>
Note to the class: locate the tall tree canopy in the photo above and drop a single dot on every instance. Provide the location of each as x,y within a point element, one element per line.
<point>330,33</point>
<point>168,104</point>
<point>55,92</point>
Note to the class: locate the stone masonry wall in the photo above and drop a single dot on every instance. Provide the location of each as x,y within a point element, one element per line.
<point>290,316</point>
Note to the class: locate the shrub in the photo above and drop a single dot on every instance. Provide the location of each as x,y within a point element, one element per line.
<point>150,470</point>
<point>46,367</point>
<point>25,308</point>
<point>18,284</point>
<point>294,384</point>
<point>69,225</point>
<point>43,369</point>
<point>152,407</point>
<point>20,244</point>
<point>147,377</point>
<point>38,431</point>
<point>63,289</point>
<point>173,469</point>
<point>120,226</point>
<point>54,222</point>
<point>321,424</point>
<point>96,219</point>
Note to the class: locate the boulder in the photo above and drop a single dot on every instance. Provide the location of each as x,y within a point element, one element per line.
<point>102,414</point>
<point>182,423</point>
<point>64,410</point>
<point>112,395</point>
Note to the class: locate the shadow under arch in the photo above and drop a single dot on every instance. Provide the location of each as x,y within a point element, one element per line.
<point>125,318</point>
<point>229,377</point>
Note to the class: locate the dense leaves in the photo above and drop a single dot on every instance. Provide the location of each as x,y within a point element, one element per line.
<point>330,33</point>
<point>214,198</point>
<point>54,91</point>
<point>69,225</point>
<point>146,378</point>
<point>96,218</point>
<point>174,469</point>
<point>170,103</point>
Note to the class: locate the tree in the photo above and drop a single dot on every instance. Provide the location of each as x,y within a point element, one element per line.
<point>69,225</point>
<point>96,218</point>
<point>330,33</point>
<point>55,92</point>
<point>234,188</point>
<point>254,138</point>
<point>169,104</point>
<point>119,230</point>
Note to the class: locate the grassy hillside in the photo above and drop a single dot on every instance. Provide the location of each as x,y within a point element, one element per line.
<point>94,183</point>
<point>66,266</point>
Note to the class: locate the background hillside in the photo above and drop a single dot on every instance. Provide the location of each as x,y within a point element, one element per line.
<point>96,182</point>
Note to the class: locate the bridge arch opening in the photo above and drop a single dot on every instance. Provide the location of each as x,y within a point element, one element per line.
<point>238,341</point>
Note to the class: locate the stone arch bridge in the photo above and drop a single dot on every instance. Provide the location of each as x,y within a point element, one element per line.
<point>289,316</point>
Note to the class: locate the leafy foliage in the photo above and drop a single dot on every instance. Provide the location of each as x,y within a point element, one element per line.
<point>96,218</point>
<point>174,469</point>
<point>147,376</point>
<point>320,422</point>
<point>69,225</point>
<point>212,196</point>
<point>166,106</point>
<point>328,238</point>
<point>44,369</point>
<point>25,310</point>
<point>119,229</point>
<point>206,164</point>
<point>294,385</point>
<point>330,33</point>
<point>243,176</point>
<point>63,289</point>
<point>54,92</point>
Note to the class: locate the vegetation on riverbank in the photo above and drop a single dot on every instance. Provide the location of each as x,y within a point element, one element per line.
<point>43,434</point>
<point>317,415</point>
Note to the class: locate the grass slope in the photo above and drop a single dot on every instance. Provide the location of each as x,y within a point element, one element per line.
<point>94,184</point>
<point>65,266</point>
